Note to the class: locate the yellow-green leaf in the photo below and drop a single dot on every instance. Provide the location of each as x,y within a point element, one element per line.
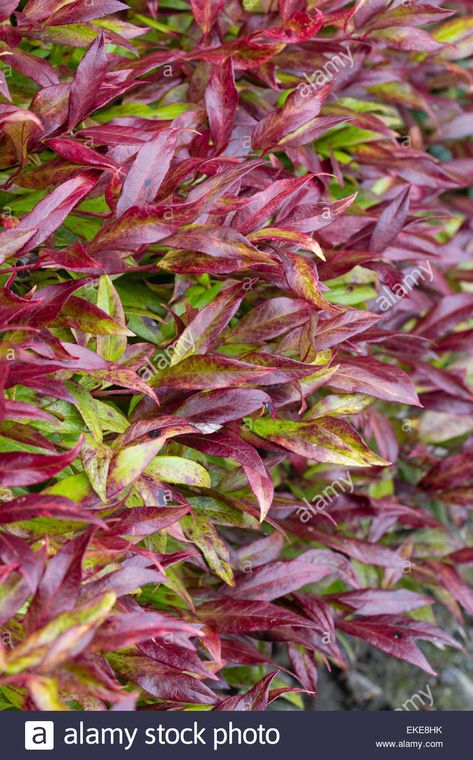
<point>180,470</point>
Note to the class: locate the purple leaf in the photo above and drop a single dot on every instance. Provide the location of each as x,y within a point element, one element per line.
<point>51,211</point>
<point>390,222</point>
<point>148,170</point>
<point>21,469</point>
<point>375,378</point>
<point>221,100</point>
<point>295,124</point>
<point>92,68</point>
<point>161,681</point>
<point>31,506</point>
<point>243,616</point>
<point>59,587</point>
<point>206,12</point>
<point>255,699</point>
<point>223,405</point>
<point>277,579</point>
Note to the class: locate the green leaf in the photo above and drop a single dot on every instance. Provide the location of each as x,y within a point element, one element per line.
<point>96,459</point>
<point>350,297</point>
<point>130,462</point>
<point>45,693</point>
<point>337,406</point>
<point>111,418</point>
<point>222,513</point>
<point>75,487</point>
<point>326,439</point>
<point>86,405</point>
<point>49,645</point>
<point>201,532</point>
<point>82,315</point>
<point>111,347</point>
<point>180,470</point>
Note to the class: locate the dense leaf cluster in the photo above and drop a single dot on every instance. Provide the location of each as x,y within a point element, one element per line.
<point>236,345</point>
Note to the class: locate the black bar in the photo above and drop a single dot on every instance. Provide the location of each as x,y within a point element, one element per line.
<point>275,735</point>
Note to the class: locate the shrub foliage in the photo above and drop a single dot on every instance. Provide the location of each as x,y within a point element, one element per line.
<point>236,338</point>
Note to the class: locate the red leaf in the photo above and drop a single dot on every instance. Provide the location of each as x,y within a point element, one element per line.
<point>203,331</point>
<point>359,550</point>
<point>21,469</point>
<point>313,217</point>
<point>304,666</point>
<point>379,602</point>
<point>210,371</point>
<point>160,680</point>
<point>277,579</point>
<point>83,11</point>
<point>243,616</point>
<point>254,699</point>
<point>448,577</point>
<point>282,370</point>
<point>223,405</point>
<point>338,565</point>
<point>29,507</point>
<point>391,221</point>
<point>32,67</point>
<point>261,206</point>
<point>12,241</point>
<point>299,27</point>
<point>148,170</point>
<point>206,12</point>
<point>397,637</point>
<point>229,446</point>
<point>375,378</point>
<point>191,262</point>
<point>451,472</point>
<point>15,592</point>
<point>59,587</point>
<point>261,551</point>
<point>73,150</point>
<point>331,332</point>
<point>238,650</point>
<point>406,38</point>
<point>20,410</point>
<point>215,241</point>
<point>143,521</point>
<point>302,278</point>
<point>16,551</point>
<point>57,13</point>
<point>140,225</point>
<point>294,124</point>
<point>124,630</point>
<point>270,319</point>
<point>221,101</point>
<point>51,211</point>
<point>175,656</point>
<point>91,69</point>
<point>445,315</point>
<point>6,8</point>
<point>365,10</point>
<point>123,581</point>
<point>419,14</point>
